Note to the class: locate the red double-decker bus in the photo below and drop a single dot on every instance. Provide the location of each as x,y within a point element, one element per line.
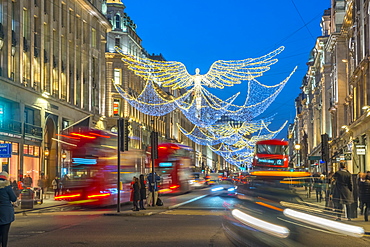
<point>271,154</point>
<point>173,166</point>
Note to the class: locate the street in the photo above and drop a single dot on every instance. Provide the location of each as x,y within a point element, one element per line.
<point>189,227</point>
<point>200,222</point>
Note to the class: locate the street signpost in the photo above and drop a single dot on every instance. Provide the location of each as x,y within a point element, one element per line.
<point>360,149</point>
<point>5,150</point>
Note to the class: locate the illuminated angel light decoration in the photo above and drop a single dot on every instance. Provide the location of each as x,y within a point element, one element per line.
<point>205,108</point>
<point>222,73</point>
<point>242,151</point>
<point>234,143</point>
<point>232,135</point>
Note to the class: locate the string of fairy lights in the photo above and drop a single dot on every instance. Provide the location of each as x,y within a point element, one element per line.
<point>229,130</point>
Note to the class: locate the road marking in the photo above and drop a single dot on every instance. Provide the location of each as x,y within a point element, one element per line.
<point>186,202</point>
<point>194,212</point>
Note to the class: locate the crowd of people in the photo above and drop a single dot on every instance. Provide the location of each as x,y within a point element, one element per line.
<point>341,193</point>
<point>140,191</point>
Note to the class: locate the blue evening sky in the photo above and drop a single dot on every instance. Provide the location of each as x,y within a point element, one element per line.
<point>199,32</point>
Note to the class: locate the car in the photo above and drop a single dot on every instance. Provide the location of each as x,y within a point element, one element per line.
<point>225,187</point>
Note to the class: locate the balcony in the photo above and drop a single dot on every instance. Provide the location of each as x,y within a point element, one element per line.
<point>32,131</point>
<point>10,127</point>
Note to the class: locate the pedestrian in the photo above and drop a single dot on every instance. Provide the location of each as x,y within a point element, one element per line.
<point>42,184</point>
<point>14,186</point>
<point>135,193</point>
<point>317,185</point>
<point>65,183</point>
<point>20,185</point>
<point>342,191</point>
<point>7,196</point>
<point>360,183</point>
<point>27,181</point>
<point>153,189</point>
<point>364,191</point>
<point>142,192</point>
<point>55,183</point>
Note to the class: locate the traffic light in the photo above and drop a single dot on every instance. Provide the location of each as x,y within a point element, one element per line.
<point>325,147</point>
<point>123,131</point>
<point>126,139</point>
<point>154,144</point>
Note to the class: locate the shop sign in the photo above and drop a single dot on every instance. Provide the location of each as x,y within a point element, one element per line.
<point>5,150</point>
<point>360,149</point>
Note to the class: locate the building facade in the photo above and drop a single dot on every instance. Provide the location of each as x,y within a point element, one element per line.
<point>51,69</point>
<point>337,90</point>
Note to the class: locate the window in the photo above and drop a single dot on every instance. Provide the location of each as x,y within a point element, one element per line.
<point>93,37</point>
<point>118,22</point>
<point>25,149</point>
<point>29,116</point>
<point>117,76</point>
<point>63,15</point>
<point>117,42</point>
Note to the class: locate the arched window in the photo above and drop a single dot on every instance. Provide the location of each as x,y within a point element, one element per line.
<point>118,21</point>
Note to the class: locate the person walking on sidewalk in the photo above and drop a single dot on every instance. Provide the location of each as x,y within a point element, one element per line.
<point>142,191</point>
<point>364,191</point>
<point>56,186</point>
<point>135,193</point>
<point>7,196</point>
<point>317,185</point>
<point>342,191</point>
<point>360,183</point>
<point>153,189</point>
<point>27,181</point>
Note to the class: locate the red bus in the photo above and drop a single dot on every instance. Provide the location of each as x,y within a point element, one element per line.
<point>173,166</point>
<point>91,176</point>
<point>271,154</point>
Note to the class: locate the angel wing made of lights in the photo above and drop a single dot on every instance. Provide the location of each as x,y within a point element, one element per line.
<point>222,73</point>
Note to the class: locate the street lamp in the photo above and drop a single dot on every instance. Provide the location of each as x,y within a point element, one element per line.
<point>297,147</point>
<point>64,156</point>
<point>46,156</point>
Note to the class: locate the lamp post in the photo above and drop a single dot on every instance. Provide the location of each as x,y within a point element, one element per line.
<point>46,155</point>
<point>297,147</point>
<point>64,156</point>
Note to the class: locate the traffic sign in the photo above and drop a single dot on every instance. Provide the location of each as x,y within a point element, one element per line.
<point>5,150</point>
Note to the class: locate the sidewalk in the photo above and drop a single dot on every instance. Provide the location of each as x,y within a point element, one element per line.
<point>169,202</point>
<point>311,200</point>
<point>47,202</point>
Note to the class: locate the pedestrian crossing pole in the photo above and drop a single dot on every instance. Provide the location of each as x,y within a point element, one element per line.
<point>119,148</point>
<point>154,156</point>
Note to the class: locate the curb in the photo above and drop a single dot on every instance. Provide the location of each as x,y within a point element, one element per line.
<point>35,209</point>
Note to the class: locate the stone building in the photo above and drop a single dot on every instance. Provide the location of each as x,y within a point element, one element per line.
<point>336,88</point>
<point>51,69</point>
